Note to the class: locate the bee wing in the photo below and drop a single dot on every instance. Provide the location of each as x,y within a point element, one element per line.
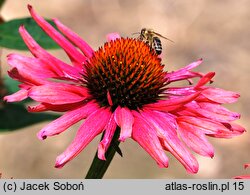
<point>163,37</point>
<point>136,33</point>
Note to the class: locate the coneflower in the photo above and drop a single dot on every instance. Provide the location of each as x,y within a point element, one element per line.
<point>122,87</point>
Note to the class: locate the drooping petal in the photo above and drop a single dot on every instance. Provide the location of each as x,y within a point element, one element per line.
<point>147,138</point>
<point>220,95</point>
<point>74,38</point>
<point>179,91</point>
<point>212,111</point>
<point>171,142</point>
<point>51,107</point>
<point>172,104</point>
<point>107,138</point>
<point>207,126</point>
<point>184,73</point>
<point>217,112</point>
<point>195,139</point>
<point>91,127</point>
<point>58,93</point>
<point>57,66</point>
<point>180,152</point>
<point>65,121</point>
<point>16,97</point>
<point>27,79</point>
<point>112,36</point>
<point>37,108</point>
<point>125,120</point>
<point>191,65</point>
<point>73,53</point>
<point>28,70</point>
<point>30,65</point>
<point>169,119</point>
<point>230,131</point>
<point>205,79</point>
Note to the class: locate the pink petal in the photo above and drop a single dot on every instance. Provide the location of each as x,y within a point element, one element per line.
<point>37,108</point>
<point>220,95</point>
<point>172,104</point>
<point>246,165</point>
<point>73,53</point>
<point>191,66</point>
<point>58,108</point>
<point>242,177</point>
<point>207,126</point>
<point>32,65</point>
<point>184,73</point>
<point>125,120</point>
<point>27,79</point>
<point>65,121</point>
<point>112,36</point>
<point>179,91</point>
<point>230,131</point>
<point>195,139</point>
<point>107,138</point>
<point>58,93</point>
<point>57,66</point>
<point>146,137</point>
<point>167,117</point>
<point>217,112</point>
<point>31,70</point>
<point>16,97</point>
<point>167,133</point>
<point>180,152</point>
<point>72,36</point>
<point>24,86</point>
<point>205,79</point>
<point>109,99</point>
<point>91,127</point>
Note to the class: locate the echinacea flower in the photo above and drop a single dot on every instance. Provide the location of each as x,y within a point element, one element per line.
<point>244,176</point>
<point>122,84</point>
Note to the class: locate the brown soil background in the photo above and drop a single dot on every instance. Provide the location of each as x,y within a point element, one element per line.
<point>217,31</point>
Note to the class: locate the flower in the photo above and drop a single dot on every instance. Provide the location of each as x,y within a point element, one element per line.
<point>243,176</point>
<point>122,84</point>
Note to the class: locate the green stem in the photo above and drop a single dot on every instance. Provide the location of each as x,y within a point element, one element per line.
<point>99,167</point>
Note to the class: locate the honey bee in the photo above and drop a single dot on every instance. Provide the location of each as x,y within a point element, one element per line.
<point>151,37</point>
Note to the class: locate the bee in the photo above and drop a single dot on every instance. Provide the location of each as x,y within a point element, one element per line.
<point>151,37</point>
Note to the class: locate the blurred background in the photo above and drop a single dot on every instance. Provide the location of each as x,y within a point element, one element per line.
<point>217,31</point>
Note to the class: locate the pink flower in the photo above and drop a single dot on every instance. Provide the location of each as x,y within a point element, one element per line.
<point>122,84</point>
<point>244,176</point>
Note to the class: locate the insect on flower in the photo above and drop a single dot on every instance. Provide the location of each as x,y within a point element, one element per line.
<point>151,37</point>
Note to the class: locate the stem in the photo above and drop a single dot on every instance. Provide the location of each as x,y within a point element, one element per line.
<point>99,167</point>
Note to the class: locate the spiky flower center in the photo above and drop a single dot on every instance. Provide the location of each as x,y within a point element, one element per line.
<point>126,73</point>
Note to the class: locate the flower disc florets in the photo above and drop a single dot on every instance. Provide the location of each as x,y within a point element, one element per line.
<point>127,71</point>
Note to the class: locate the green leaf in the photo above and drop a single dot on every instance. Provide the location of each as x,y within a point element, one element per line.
<point>11,85</point>
<point>1,3</point>
<point>10,38</point>
<point>15,116</point>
